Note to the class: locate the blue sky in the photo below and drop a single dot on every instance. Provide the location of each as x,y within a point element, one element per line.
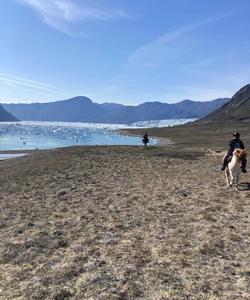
<point>124,51</point>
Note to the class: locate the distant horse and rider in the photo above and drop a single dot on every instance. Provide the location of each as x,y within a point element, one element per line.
<point>234,162</point>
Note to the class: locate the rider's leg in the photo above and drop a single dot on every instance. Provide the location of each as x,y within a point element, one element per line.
<point>225,163</point>
<point>243,165</point>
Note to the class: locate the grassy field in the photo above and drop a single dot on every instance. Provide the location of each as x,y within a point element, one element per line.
<point>208,135</point>
<point>126,222</point>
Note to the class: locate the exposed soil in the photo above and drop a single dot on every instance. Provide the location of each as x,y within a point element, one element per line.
<point>122,223</point>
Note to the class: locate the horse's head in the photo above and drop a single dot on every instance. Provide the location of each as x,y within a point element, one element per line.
<point>240,154</point>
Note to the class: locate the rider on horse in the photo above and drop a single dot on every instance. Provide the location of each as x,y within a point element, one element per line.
<point>235,143</point>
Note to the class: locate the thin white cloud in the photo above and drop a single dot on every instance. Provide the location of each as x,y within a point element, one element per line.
<point>16,81</point>
<point>8,83</point>
<point>149,55</point>
<point>60,14</point>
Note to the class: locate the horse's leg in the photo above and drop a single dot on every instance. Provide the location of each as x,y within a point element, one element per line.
<point>237,177</point>
<point>227,177</point>
<point>231,178</point>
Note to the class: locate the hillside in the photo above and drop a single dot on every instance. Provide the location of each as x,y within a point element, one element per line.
<point>237,109</point>
<point>6,116</point>
<point>73,110</point>
<point>82,109</point>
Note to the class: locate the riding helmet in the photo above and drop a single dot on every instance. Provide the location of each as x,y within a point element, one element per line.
<point>236,134</point>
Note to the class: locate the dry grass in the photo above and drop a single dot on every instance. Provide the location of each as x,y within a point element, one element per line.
<point>122,223</point>
<point>207,135</point>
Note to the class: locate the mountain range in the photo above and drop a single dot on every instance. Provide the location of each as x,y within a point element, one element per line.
<point>83,109</point>
<point>237,109</point>
<point>6,116</point>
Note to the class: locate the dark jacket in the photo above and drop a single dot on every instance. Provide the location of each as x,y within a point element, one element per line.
<point>235,144</point>
<point>145,139</point>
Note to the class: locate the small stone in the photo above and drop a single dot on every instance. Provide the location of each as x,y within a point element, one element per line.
<point>62,244</point>
<point>61,195</point>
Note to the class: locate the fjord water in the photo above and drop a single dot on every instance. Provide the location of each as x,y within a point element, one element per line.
<point>46,135</point>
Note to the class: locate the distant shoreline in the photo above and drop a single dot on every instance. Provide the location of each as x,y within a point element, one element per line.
<point>4,156</point>
<point>161,141</point>
<point>214,135</point>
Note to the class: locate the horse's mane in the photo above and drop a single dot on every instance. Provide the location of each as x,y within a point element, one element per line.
<point>240,153</point>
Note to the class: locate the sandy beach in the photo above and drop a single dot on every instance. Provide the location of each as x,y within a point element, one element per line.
<point>122,223</point>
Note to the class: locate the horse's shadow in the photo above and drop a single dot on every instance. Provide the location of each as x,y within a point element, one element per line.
<point>244,186</point>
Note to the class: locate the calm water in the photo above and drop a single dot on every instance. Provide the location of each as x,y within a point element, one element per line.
<point>45,135</point>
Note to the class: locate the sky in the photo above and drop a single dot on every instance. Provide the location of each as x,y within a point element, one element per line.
<point>123,51</point>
